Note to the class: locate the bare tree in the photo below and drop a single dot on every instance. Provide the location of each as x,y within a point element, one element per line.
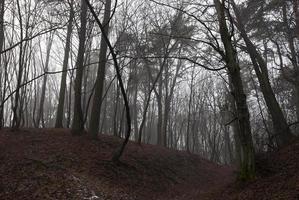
<point>62,92</point>
<point>2,71</point>
<point>247,162</point>
<point>16,108</point>
<point>40,115</point>
<point>78,119</point>
<point>99,84</point>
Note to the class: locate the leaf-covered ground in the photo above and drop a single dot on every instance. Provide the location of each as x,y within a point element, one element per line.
<point>53,164</point>
<point>277,178</point>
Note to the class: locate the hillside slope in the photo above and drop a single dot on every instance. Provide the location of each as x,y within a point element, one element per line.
<point>53,164</point>
<point>277,178</point>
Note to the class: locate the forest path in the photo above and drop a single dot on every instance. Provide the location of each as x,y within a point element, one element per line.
<point>53,164</point>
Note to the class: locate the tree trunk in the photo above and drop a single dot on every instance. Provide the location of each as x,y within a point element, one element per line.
<point>135,110</point>
<point>247,162</point>
<point>2,71</point>
<point>16,117</point>
<point>144,114</point>
<point>148,98</point>
<point>44,86</point>
<point>99,85</point>
<point>62,92</point>
<point>78,121</point>
<point>189,113</point>
<point>168,99</point>
<point>160,114</point>
<point>116,113</point>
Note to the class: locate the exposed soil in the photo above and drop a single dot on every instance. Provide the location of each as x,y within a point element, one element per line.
<point>53,164</point>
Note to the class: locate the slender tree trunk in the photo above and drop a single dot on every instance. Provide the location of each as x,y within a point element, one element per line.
<point>69,103</point>
<point>135,111</point>
<point>116,113</point>
<point>168,100</point>
<point>148,98</point>
<point>2,71</point>
<point>16,117</point>
<point>165,120</point>
<point>160,114</point>
<point>78,121</point>
<point>189,113</point>
<point>62,91</point>
<point>146,104</point>
<point>283,133</point>
<point>104,118</point>
<point>99,85</point>
<point>247,162</point>
<point>44,86</point>
<point>228,150</point>
<point>2,3</point>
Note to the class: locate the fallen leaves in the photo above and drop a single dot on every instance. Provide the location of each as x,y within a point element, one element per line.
<point>53,164</point>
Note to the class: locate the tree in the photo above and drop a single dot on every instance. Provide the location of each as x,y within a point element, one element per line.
<point>247,162</point>
<point>2,3</point>
<point>40,114</point>
<point>16,108</point>
<point>119,152</point>
<point>99,84</point>
<point>62,91</point>
<point>78,121</point>
<point>283,133</point>
<point>189,111</point>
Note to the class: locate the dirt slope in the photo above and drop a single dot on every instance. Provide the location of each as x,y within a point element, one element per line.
<point>52,164</point>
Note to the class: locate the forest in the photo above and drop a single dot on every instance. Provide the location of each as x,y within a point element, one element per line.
<point>149,99</point>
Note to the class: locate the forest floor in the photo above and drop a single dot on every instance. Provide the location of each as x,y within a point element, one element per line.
<point>52,164</point>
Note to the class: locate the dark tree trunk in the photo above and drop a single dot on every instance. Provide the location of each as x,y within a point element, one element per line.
<point>247,162</point>
<point>2,70</point>
<point>160,114</point>
<point>99,85</point>
<point>62,91</point>
<point>135,110</point>
<point>78,121</point>
<point>16,113</point>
